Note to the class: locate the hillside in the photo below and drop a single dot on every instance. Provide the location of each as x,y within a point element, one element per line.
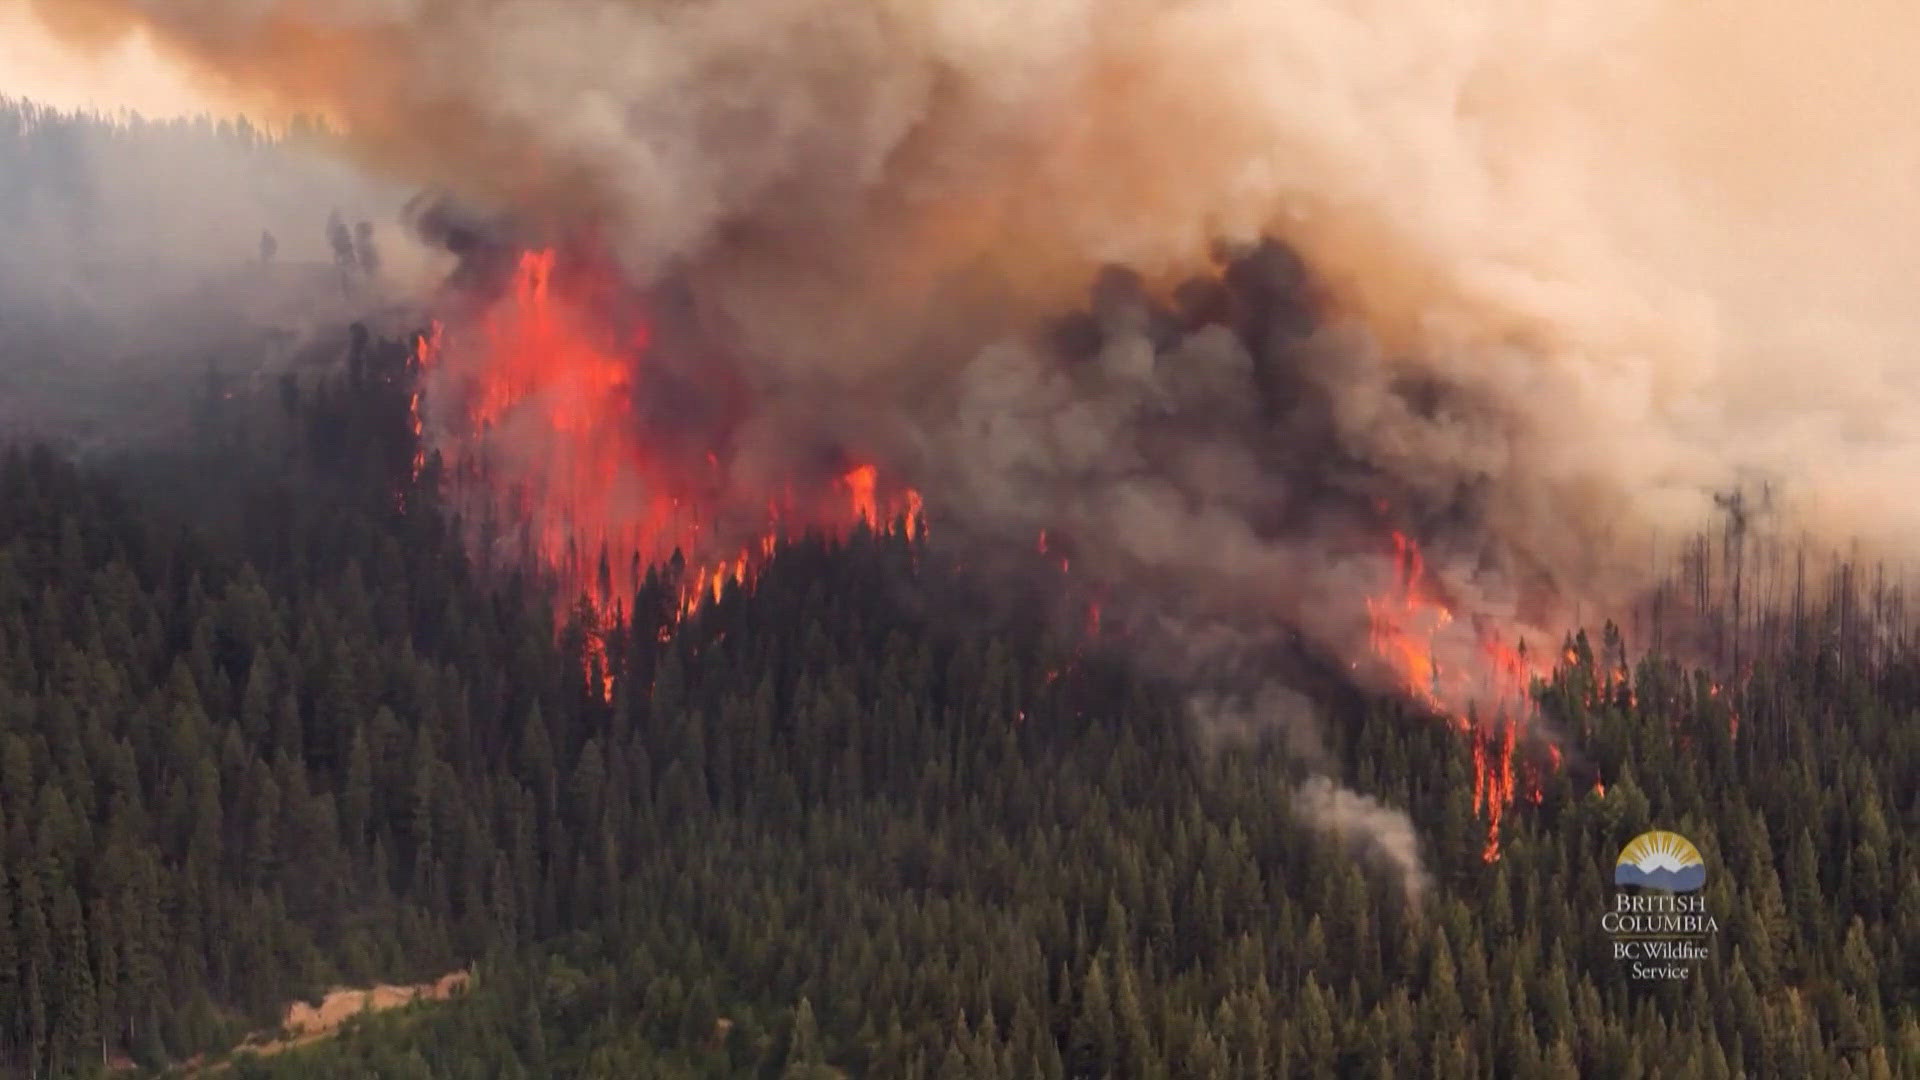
<point>842,825</point>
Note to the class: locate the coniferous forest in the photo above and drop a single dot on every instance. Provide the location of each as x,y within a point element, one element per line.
<point>295,739</point>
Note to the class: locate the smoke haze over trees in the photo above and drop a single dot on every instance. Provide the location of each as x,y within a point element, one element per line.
<point>85,189</point>
<point>137,249</point>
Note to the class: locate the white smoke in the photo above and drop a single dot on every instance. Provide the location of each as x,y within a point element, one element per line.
<point>1273,712</point>
<point>1386,833</point>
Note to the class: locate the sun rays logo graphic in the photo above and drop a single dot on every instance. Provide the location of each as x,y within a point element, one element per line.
<point>1661,860</point>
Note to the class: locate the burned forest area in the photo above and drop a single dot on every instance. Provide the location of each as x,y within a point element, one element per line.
<point>344,735</point>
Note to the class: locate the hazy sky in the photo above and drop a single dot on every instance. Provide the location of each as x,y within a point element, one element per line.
<point>35,66</point>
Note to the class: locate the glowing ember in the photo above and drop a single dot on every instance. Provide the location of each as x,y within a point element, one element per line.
<point>425,348</point>
<point>597,668</point>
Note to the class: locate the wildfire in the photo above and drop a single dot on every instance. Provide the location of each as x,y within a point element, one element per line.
<point>548,411</point>
<point>1733,713</point>
<point>425,348</point>
<point>597,668</point>
<point>1403,628</point>
<point>859,482</point>
<point>1400,627</point>
<point>1047,547</point>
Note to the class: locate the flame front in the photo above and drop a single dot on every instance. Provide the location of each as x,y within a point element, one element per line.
<point>425,348</point>
<point>544,427</point>
<point>1488,699</point>
<point>540,412</point>
<point>1401,626</point>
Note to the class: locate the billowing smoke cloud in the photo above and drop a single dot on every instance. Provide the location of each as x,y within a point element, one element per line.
<point>1565,269</point>
<point>1386,832</point>
<point>1658,243</point>
<point>1278,713</point>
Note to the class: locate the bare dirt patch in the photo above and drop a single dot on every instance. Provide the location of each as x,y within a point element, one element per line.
<point>304,1023</point>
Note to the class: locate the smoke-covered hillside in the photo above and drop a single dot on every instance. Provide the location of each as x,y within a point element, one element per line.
<point>138,254</point>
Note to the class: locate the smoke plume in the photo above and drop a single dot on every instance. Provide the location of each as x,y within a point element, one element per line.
<point>1387,832</point>
<point>1655,244</point>
<point>1553,273</point>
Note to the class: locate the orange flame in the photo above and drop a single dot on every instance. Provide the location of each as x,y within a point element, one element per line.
<point>916,515</point>
<point>546,433</point>
<point>595,663</point>
<point>1402,630</point>
<point>859,482</point>
<point>425,348</point>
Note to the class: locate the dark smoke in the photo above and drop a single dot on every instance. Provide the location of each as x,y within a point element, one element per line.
<point>1574,267</point>
<point>1191,451</point>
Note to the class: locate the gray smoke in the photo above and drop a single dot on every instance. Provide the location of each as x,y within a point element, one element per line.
<point>1223,722</point>
<point>1276,713</point>
<point>136,256</point>
<point>1194,458</point>
<point>1190,459</point>
<point>1614,231</point>
<point>1382,831</point>
<point>1575,267</point>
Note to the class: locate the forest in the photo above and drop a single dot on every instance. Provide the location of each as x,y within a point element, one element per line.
<point>266,729</point>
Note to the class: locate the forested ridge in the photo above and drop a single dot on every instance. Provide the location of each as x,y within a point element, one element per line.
<point>828,828</point>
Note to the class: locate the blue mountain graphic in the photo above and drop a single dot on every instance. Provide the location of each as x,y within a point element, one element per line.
<point>1685,879</point>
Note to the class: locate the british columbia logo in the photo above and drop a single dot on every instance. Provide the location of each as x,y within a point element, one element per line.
<point>1659,922</point>
<point>1661,860</point>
